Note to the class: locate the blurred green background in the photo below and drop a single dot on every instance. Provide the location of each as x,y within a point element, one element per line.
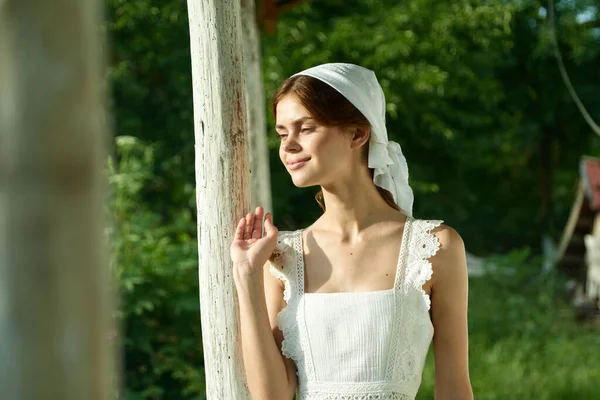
<point>492,139</point>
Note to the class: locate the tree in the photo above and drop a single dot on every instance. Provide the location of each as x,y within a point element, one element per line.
<point>54,304</point>
<point>472,89</point>
<point>221,182</point>
<point>260,176</point>
<point>474,97</point>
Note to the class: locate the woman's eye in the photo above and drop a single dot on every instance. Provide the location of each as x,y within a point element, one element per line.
<point>307,129</point>
<point>282,136</point>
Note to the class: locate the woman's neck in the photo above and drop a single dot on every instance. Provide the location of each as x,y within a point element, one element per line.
<point>350,208</point>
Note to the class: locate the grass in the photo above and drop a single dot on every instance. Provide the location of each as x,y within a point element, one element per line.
<point>524,340</point>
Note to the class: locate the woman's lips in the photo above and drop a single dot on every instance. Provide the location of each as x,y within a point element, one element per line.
<point>292,166</point>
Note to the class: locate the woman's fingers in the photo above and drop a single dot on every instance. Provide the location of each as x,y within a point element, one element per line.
<point>239,230</point>
<point>257,232</point>
<point>270,229</point>
<point>249,226</point>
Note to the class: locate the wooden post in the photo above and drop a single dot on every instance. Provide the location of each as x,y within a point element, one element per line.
<point>54,308</point>
<point>260,176</point>
<point>222,176</point>
<point>592,261</point>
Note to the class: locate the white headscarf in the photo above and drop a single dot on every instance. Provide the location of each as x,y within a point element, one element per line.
<point>360,86</point>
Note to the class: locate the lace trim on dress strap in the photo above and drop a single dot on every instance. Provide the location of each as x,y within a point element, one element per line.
<point>404,364</point>
<point>424,246</point>
<point>279,259</point>
<point>286,283</point>
<point>306,368</point>
<point>286,256</point>
<point>391,373</point>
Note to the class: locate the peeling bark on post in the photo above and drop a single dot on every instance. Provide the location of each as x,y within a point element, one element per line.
<point>260,176</point>
<point>54,297</point>
<point>221,183</point>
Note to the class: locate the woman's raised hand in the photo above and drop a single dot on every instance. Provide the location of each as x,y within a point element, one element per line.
<point>250,250</point>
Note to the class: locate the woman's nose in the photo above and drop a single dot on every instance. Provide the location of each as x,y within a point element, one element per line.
<point>290,144</point>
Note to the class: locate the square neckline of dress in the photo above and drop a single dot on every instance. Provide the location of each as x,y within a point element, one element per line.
<point>399,262</point>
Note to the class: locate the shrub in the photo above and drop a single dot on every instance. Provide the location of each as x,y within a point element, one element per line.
<point>524,342</point>
<point>154,260</point>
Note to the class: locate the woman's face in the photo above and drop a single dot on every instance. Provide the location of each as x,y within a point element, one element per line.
<point>312,153</point>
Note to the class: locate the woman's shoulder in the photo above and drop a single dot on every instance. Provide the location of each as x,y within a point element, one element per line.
<point>437,227</point>
<point>447,236</point>
<point>446,240</point>
<point>429,225</point>
<point>449,257</point>
<point>286,238</point>
<point>284,248</point>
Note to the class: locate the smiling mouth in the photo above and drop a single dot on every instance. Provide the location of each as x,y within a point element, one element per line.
<point>297,164</point>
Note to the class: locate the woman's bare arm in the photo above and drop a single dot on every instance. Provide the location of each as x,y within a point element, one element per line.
<point>449,293</point>
<point>270,376</point>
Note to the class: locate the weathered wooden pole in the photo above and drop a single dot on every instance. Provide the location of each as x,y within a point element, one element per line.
<point>222,177</point>
<point>260,176</point>
<point>54,297</point>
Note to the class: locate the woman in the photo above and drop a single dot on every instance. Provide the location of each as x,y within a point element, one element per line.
<point>347,308</point>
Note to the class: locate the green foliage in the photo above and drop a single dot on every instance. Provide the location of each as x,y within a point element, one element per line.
<point>524,341</point>
<point>474,97</point>
<point>491,136</point>
<point>155,264</point>
<point>151,86</point>
<point>473,93</point>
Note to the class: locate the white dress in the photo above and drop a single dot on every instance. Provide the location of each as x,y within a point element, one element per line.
<point>358,345</point>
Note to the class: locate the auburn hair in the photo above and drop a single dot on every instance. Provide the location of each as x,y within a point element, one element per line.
<point>330,108</point>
